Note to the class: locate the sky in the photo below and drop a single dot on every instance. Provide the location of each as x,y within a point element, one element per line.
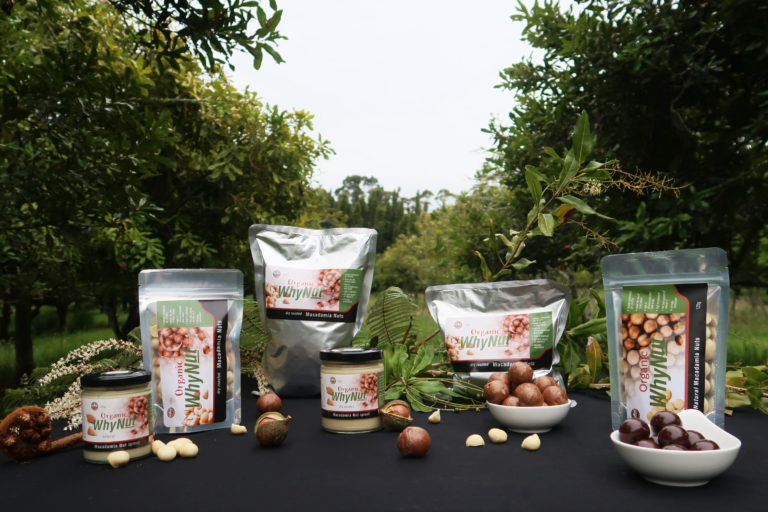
<point>401,89</point>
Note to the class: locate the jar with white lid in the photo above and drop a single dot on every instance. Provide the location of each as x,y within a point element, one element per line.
<point>116,414</point>
<point>349,389</point>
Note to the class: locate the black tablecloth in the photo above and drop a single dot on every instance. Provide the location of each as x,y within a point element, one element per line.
<point>575,469</point>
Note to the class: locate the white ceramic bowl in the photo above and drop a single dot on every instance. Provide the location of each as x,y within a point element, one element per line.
<point>530,420</point>
<point>682,468</point>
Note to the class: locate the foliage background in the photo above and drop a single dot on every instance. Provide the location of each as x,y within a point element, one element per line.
<point>123,146</point>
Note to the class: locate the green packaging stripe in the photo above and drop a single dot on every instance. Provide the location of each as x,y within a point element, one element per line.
<point>652,299</point>
<point>349,288</point>
<point>182,313</point>
<point>541,333</point>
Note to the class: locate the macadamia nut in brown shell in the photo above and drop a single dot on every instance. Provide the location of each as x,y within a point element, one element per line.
<point>544,382</point>
<point>529,394</point>
<point>555,395</point>
<point>496,391</point>
<point>519,373</point>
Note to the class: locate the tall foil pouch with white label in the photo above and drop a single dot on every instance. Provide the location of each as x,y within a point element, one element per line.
<point>667,318</point>
<point>190,336</point>
<point>312,287</point>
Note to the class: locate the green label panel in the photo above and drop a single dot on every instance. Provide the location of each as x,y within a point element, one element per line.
<point>652,299</point>
<point>541,333</point>
<point>349,288</point>
<point>182,313</point>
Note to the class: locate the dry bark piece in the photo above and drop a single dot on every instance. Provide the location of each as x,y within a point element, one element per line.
<point>26,433</point>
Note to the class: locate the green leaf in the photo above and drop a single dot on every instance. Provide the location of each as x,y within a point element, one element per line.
<point>523,263</point>
<point>534,187</point>
<point>551,152</point>
<point>599,301</point>
<point>429,387</point>
<point>547,224</point>
<point>569,357</point>
<point>262,16</point>
<point>258,57</point>
<point>589,328</point>
<point>580,378</point>
<point>594,357</point>
<point>581,206</point>
<point>389,318</point>
<point>492,237</point>
<point>756,376</point>
<point>582,141</point>
<point>501,273</point>
<point>394,392</point>
<point>534,171</point>
<point>484,267</point>
<point>274,21</point>
<point>423,360</point>
<point>570,168</point>
<point>399,358</point>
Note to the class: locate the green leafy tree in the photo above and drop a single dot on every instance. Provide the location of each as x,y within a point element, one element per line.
<point>210,29</point>
<point>111,162</point>
<point>675,89</point>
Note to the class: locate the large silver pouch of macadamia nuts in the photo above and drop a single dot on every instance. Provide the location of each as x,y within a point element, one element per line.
<point>312,287</point>
<point>489,326</point>
<point>190,337</point>
<point>667,315</point>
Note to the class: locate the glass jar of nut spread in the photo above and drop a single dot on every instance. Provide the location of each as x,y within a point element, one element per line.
<point>349,389</point>
<point>116,414</point>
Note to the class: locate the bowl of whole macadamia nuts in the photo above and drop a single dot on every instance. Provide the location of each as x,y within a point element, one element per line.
<point>526,404</point>
<point>682,450</point>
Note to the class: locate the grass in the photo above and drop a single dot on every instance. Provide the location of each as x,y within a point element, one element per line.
<point>748,331</point>
<point>83,326</point>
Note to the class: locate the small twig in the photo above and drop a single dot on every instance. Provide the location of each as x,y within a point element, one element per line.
<point>439,373</point>
<point>741,391</point>
<point>420,343</point>
<point>408,331</point>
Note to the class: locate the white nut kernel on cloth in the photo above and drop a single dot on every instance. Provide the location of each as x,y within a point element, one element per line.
<point>475,440</point>
<point>177,443</point>
<point>156,445</point>
<point>188,450</point>
<point>496,435</point>
<point>166,453</point>
<point>118,458</point>
<point>238,429</point>
<point>531,443</point>
<point>434,417</point>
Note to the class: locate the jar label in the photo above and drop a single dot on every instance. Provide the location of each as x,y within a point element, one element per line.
<point>329,294</point>
<point>192,363</point>
<point>490,342</point>
<point>350,396</point>
<point>663,334</point>
<point>116,423</point>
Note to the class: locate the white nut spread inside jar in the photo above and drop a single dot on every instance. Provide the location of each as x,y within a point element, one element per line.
<point>116,414</point>
<point>349,389</point>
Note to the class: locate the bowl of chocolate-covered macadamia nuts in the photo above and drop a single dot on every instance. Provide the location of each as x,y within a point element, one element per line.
<point>526,404</point>
<point>683,449</point>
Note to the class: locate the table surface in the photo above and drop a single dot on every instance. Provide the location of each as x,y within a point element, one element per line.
<point>575,469</point>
